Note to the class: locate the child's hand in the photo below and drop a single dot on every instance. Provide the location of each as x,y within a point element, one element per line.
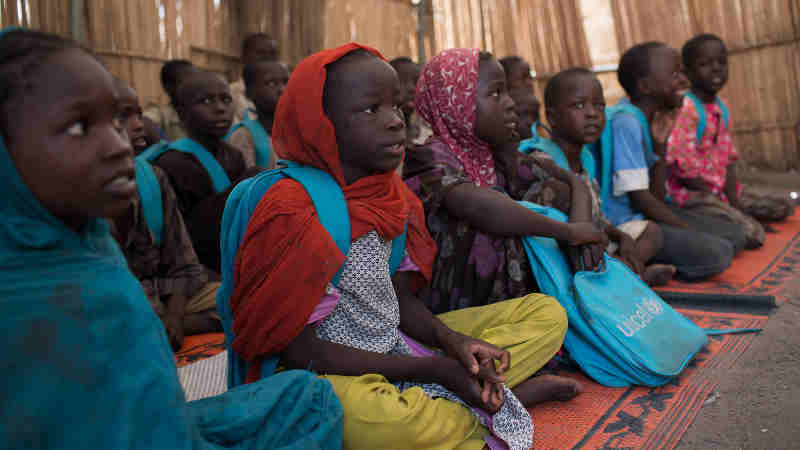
<point>662,125</point>
<point>174,327</point>
<point>473,353</point>
<point>582,233</point>
<point>477,393</point>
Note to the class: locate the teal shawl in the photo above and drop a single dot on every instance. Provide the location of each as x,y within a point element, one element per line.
<point>86,362</point>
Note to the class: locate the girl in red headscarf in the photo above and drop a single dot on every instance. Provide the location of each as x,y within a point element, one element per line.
<point>370,334</point>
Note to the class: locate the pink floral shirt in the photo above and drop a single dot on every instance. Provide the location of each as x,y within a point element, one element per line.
<point>709,162</point>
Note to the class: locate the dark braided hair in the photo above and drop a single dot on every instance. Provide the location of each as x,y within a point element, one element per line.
<point>635,65</point>
<point>22,54</point>
<point>690,48</point>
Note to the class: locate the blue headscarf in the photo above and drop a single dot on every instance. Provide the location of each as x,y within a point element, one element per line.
<point>86,362</point>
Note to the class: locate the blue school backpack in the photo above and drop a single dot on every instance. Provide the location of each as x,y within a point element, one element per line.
<point>261,139</point>
<point>150,198</point>
<point>701,114</point>
<point>543,144</point>
<point>218,176</point>
<point>620,332</point>
<point>328,200</point>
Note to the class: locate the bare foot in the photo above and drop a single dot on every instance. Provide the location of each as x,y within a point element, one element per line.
<point>545,388</point>
<point>658,274</point>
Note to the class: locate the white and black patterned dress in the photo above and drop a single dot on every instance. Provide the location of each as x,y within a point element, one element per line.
<point>367,317</point>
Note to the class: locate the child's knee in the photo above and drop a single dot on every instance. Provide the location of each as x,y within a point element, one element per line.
<point>546,309</point>
<point>653,234</point>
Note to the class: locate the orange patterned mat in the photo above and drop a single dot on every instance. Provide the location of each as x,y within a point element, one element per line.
<point>761,272</point>
<point>199,347</point>
<point>640,417</point>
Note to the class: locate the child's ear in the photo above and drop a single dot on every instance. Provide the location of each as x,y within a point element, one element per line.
<point>181,110</point>
<point>643,86</point>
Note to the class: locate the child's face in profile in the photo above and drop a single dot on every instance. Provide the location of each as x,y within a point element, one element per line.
<point>666,80</point>
<point>527,108</point>
<point>408,73</point>
<point>71,153</point>
<point>130,114</point>
<point>579,116</point>
<point>370,131</point>
<point>268,86</point>
<point>205,108</point>
<point>496,120</point>
<point>709,70</point>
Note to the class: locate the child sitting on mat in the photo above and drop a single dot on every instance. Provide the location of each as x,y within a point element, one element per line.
<point>367,335</point>
<point>203,101</point>
<point>174,281</point>
<point>470,177</point>
<point>575,108</point>
<point>698,246</point>
<point>702,168</point>
<point>85,361</point>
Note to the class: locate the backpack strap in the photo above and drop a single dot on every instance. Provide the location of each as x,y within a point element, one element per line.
<point>398,250</point>
<point>150,198</point>
<point>701,114</point>
<point>331,207</point>
<point>261,140</point>
<point>218,176</point>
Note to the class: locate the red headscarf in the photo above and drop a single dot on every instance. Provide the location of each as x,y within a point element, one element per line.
<point>446,100</point>
<point>286,257</point>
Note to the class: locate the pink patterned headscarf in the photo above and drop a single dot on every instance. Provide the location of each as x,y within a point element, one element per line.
<point>446,100</point>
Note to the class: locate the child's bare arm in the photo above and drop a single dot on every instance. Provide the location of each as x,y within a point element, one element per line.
<point>495,213</point>
<point>417,321</point>
<point>732,187</point>
<point>654,209</point>
<point>658,180</point>
<point>309,352</point>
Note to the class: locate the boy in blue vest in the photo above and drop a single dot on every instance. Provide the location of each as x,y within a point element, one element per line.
<point>174,281</point>
<point>698,246</point>
<point>264,83</point>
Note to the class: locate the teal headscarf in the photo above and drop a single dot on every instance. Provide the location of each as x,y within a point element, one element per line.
<point>86,362</point>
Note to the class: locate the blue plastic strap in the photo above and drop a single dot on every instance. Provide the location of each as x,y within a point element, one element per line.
<point>150,197</point>
<point>261,140</point>
<point>398,250</point>
<point>215,171</point>
<point>701,114</point>
<point>330,204</point>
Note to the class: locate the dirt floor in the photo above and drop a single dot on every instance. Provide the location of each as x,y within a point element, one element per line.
<point>757,404</point>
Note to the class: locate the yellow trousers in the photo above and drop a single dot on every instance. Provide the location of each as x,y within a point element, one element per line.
<point>378,415</point>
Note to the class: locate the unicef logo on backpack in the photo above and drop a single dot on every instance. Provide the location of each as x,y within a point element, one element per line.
<point>643,314</point>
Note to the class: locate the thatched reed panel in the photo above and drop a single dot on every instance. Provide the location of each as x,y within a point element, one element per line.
<point>638,21</point>
<point>547,33</point>
<point>388,25</point>
<point>50,15</point>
